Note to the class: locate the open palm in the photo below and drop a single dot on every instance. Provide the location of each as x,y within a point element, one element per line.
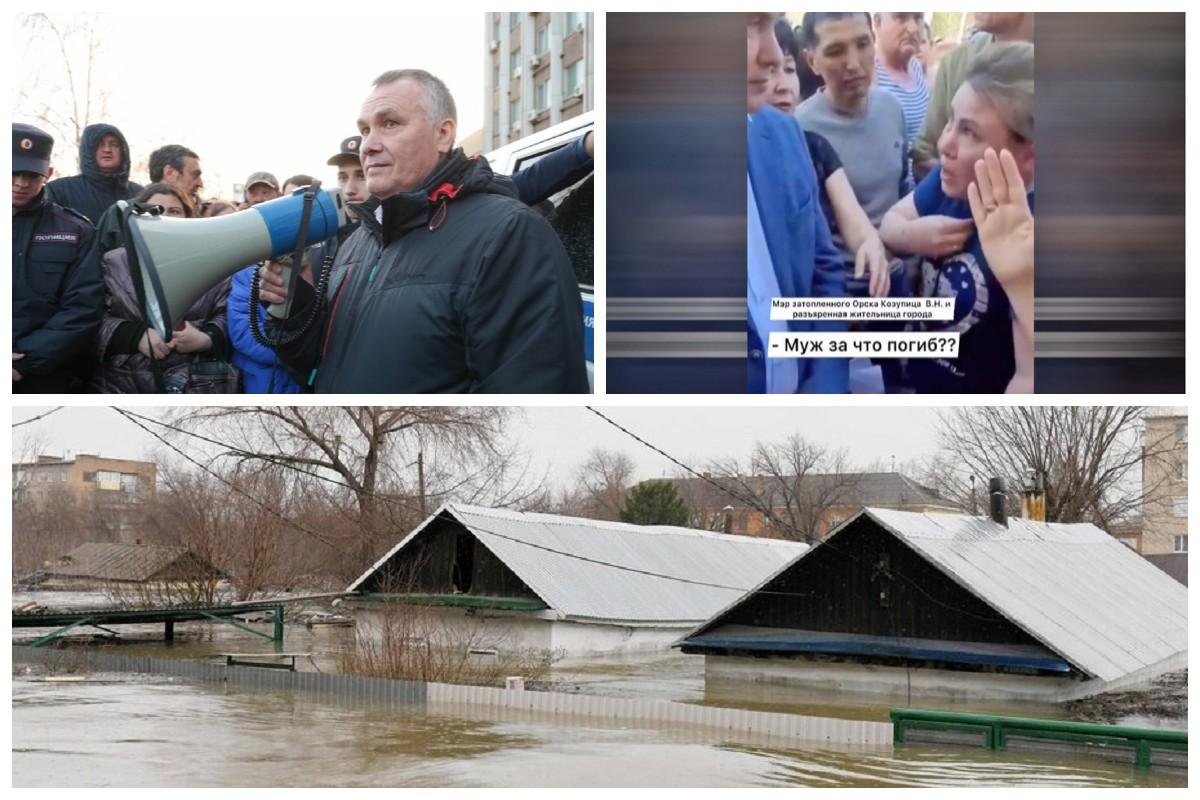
<point>1002,217</point>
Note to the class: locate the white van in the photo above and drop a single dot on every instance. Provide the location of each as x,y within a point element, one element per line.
<point>520,154</point>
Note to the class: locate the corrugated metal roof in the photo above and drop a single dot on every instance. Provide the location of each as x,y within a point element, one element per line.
<point>611,571</point>
<point>117,562</point>
<point>1073,587</point>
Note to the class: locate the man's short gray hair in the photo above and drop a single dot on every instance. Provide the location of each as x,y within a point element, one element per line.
<point>438,102</point>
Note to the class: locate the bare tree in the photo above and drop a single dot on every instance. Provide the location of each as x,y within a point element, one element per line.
<point>1090,458</point>
<point>387,465</point>
<point>794,484</point>
<point>69,98</point>
<point>600,484</point>
<point>49,521</point>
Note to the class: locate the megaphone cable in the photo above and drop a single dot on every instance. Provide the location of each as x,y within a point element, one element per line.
<point>283,337</point>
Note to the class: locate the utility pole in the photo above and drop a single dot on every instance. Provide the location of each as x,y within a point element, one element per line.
<point>421,480</point>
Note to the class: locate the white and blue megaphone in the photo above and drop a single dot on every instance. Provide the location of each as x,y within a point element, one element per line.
<point>181,259</point>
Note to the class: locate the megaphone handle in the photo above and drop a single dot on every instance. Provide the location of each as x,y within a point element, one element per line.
<point>284,310</point>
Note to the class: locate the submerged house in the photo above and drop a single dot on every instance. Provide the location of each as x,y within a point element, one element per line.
<point>511,580</point>
<point>134,565</point>
<point>955,606</point>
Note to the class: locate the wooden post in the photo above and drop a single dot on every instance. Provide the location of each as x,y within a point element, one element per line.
<point>421,480</point>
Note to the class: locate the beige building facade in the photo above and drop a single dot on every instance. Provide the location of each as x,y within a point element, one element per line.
<point>538,73</point>
<point>1165,478</point>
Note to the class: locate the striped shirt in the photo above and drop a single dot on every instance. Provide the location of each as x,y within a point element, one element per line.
<point>915,102</point>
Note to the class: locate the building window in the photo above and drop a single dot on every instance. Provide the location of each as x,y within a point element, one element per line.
<point>1181,507</point>
<point>573,20</point>
<point>573,78</point>
<point>539,95</point>
<point>514,19</point>
<point>495,122</point>
<point>514,61</point>
<point>496,27</point>
<point>129,483</point>
<point>541,40</point>
<point>1181,470</point>
<point>514,113</point>
<point>1181,433</point>
<point>1181,544</point>
<point>495,74</point>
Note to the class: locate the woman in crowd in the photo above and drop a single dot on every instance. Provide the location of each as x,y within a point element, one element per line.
<point>133,358</point>
<point>992,110</point>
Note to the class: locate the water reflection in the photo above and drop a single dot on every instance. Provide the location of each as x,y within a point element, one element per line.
<point>143,731</point>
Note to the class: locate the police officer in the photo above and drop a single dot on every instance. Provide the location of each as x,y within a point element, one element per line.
<point>58,288</point>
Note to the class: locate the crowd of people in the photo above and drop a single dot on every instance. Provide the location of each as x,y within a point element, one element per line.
<point>443,279</point>
<point>883,162</point>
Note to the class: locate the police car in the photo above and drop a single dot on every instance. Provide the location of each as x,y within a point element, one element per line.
<point>520,154</point>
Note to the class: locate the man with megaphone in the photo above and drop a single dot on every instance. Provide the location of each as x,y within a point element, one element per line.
<point>466,288</point>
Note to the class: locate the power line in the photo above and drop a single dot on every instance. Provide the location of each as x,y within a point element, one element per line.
<point>236,489</point>
<point>39,416</point>
<point>135,417</point>
<point>753,501</point>
<point>770,514</point>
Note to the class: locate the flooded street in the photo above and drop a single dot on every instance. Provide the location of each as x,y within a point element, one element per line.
<point>117,729</point>
<point>121,730</point>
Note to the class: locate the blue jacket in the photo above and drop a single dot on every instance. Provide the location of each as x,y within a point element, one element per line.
<point>806,262</point>
<point>257,363</point>
<point>553,173</point>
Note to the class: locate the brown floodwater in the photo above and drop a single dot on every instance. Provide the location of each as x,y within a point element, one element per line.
<point>138,730</point>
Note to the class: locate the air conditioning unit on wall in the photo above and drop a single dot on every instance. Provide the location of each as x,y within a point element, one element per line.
<point>493,45</point>
<point>535,62</point>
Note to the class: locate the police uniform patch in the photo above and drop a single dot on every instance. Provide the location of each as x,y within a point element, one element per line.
<point>70,238</point>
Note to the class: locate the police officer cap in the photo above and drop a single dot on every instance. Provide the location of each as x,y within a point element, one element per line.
<point>31,149</point>
<point>350,148</point>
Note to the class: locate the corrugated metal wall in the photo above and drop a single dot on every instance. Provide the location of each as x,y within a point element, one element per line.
<point>488,702</point>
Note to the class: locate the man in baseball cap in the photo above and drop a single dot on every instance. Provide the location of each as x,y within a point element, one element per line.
<point>350,176</point>
<point>261,187</point>
<point>58,289</point>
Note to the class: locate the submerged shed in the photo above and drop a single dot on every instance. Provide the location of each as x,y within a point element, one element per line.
<point>562,583</point>
<point>116,563</point>
<point>950,604</point>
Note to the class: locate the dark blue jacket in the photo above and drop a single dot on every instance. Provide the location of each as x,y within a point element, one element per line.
<point>554,172</point>
<point>91,192</point>
<point>460,288</point>
<point>806,262</point>
<point>58,296</point>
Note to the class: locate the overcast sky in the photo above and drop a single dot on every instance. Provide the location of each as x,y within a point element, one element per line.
<point>247,91</point>
<point>557,440</point>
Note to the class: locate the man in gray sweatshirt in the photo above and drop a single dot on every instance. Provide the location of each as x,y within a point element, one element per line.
<point>864,124</point>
